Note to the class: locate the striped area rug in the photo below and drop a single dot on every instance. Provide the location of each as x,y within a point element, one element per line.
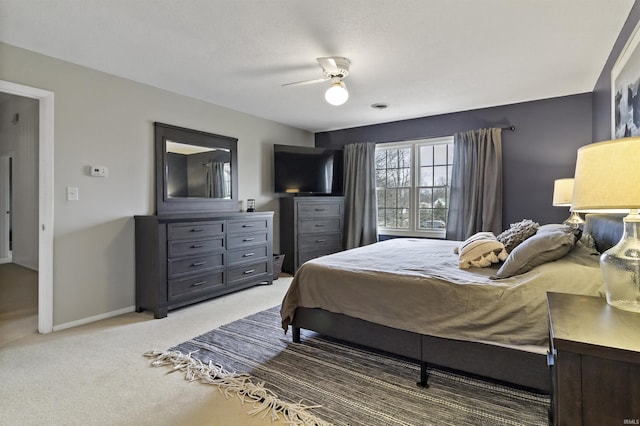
<point>345,385</point>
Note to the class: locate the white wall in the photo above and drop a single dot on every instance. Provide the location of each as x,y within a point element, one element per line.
<point>19,140</point>
<point>106,120</point>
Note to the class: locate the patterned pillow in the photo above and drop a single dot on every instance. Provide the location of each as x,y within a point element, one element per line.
<point>517,233</point>
<point>481,250</point>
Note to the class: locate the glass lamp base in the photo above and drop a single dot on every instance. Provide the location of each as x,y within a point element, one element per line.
<point>621,268</point>
<point>574,221</point>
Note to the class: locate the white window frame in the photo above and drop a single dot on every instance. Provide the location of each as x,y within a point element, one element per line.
<point>414,216</point>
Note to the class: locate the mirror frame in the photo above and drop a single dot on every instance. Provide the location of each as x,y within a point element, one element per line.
<point>164,204</point>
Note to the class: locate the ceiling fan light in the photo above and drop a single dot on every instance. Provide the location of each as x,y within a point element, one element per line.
<point>337,93</point>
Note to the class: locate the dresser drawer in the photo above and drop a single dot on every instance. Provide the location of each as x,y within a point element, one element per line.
<point>190,247</point>
<point>319,225</point>
<point>238,241</point>
<point>247,225</point>
<point>319,209</point>
<point>319,242</point>
<point>248,254</point>
<point>303,256</point>
<point>178,288</point>
<point>246,272</point>
<point>193,265</point>
<point>191,230</point>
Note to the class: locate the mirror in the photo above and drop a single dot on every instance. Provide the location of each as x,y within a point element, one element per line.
<point>195,171</point>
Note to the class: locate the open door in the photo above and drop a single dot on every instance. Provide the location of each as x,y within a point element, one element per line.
<point>5,209</point>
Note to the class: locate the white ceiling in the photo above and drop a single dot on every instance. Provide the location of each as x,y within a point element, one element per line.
<point>421,57</point>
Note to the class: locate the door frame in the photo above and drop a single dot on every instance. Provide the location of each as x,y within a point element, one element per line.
<point>45,195</point>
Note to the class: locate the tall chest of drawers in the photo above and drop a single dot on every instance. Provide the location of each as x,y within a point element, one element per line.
<point>310,227</point>
<point>186,258</point>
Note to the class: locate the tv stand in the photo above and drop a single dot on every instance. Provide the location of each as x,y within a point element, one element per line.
<point>310,227</point>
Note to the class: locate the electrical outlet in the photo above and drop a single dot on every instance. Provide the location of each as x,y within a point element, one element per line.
<point>99,171</point>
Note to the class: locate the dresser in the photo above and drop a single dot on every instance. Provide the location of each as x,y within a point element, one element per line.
<point>309,227</point>
<point>187,258</point>
<point>595,361</point>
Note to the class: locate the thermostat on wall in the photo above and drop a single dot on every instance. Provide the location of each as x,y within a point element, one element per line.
<point>100,171</point>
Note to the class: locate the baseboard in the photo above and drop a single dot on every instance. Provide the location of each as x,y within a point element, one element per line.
<point>94,318</point>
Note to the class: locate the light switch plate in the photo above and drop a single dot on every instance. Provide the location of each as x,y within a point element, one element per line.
<point>72,193</point>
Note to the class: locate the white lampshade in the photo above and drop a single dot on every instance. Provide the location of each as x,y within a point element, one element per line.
<point>337,93</point>
<point>562,192</point>
<point>607,177</point>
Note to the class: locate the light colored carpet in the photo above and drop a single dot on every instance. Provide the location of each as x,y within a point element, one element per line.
<point>96,375</point>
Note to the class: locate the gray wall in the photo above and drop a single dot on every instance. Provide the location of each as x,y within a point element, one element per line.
<point>602,90</point>
<point>541,149</point>
<point>106,120</point>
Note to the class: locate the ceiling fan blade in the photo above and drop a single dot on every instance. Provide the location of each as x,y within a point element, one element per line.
<point>329,65</point>
<point>301,83</point>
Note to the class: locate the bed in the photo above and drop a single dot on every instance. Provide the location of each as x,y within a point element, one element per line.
<point>409,297</point>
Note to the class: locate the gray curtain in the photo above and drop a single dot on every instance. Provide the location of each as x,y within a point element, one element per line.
<point>361,215</point>
<point>215,186</point>
<point>476,184</point>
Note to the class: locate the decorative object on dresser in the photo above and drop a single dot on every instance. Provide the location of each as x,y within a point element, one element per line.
<point>309,227</point>
<point>595,361</point>
<point>198,245</point>
<point>607,179</point>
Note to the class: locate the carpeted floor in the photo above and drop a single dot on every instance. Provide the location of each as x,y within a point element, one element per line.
<point>350,385</point>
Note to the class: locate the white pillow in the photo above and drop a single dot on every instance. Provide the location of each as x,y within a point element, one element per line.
<point>481,250</point>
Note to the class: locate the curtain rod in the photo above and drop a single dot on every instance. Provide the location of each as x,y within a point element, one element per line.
<point>512,128</point>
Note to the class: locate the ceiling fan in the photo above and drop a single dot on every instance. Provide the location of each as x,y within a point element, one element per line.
<point>334,68</point>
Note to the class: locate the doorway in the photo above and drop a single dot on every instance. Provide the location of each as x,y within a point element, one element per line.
<point>6,178</point>
<point>45,197</point>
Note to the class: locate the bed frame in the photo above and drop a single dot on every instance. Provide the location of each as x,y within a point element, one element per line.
<point>515,366</point>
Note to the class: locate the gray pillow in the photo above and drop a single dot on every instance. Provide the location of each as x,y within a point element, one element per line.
<point>541,248</point>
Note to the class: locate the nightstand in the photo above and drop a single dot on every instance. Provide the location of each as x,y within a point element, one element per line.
<point>595,361</point>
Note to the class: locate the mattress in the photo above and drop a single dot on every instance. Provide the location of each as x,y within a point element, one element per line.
<point>416,285</point>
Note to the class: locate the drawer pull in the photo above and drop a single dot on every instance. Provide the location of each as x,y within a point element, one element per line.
<point>248,254</point>
<point>250,271</point>
<point>246,225</point>
<point>198,283</point>
<point>197,246</point>
<point>198,263</point>
<point>319,210</point>
<point>320,241</point>
<point>248,239</point>
<point>319,225</point>
<point>196,230</point>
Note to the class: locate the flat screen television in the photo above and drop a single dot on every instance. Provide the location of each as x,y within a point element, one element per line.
<point>307,170</point>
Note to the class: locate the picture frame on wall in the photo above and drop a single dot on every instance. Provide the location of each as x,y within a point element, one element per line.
<point>625,90</point>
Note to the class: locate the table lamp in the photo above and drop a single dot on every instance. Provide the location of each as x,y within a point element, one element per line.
<point>562,193</point>
<point>607,180</point>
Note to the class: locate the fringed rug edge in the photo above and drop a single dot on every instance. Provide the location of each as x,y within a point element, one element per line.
<point>264,401</point>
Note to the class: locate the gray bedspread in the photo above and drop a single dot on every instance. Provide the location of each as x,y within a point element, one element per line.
<point>416,285</point>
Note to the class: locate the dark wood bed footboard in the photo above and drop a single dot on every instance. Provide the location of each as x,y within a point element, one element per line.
<point>518,367</point>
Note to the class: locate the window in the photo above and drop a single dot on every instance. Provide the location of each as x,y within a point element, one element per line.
<point>412,185</point>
